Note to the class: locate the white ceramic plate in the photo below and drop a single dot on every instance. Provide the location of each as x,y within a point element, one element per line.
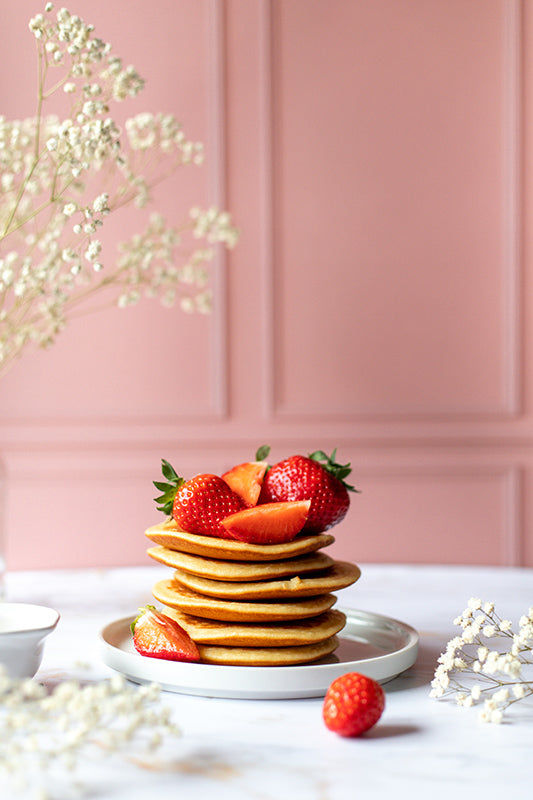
<point>377,646</point>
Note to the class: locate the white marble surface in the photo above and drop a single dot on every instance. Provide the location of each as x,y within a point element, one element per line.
<point>261,750</point>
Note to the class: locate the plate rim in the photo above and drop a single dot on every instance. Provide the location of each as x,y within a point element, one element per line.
<point>262,682</point>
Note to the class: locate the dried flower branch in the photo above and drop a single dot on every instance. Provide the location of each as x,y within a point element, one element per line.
<point>493,661</point>
<point>42,731</point>
<point>61,179</point>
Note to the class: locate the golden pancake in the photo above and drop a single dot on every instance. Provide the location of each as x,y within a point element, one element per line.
<point>168,535</point>
<point>173,594</point>
<point>251,634</point>
<point>266,656</point>
<point>338,576</point>
<point>218,569</point>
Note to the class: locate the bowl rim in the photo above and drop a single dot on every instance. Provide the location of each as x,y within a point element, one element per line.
<point>45,627</point>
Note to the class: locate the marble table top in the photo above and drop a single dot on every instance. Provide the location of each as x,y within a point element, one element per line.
<point>265,749</point>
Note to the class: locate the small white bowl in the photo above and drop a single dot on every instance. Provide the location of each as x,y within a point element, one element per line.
<point>23,629</point>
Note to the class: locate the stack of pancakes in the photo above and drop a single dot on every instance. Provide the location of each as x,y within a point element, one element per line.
<point>248,604</point>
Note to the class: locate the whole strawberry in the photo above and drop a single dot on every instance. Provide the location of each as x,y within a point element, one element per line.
<point>317,478</point>
<point>353,704</point>
<point>197,505</point>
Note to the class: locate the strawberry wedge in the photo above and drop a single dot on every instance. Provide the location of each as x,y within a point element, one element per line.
<point>268,523</point>
<point>158,636</point>
<point>246,480</point>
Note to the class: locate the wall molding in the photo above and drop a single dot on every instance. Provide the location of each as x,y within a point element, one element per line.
<point>14,428</point>
<point>70,471</point>
<point>511,478</point>
<point>217,126</point>
<point>512,201</point>
<point>511,259</point>
<point>513,552</point>
<point>266,160</point>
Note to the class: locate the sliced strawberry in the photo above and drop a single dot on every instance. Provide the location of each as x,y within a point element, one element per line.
<point>157,636</point>
<point>269,523</point>
<point>246,480</point>
<point>197,505</point>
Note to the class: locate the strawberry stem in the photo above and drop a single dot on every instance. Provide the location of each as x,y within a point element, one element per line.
<point>262,452</point>
<point>168,488</point>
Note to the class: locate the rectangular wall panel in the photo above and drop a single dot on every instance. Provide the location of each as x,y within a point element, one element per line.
<point>146,362</point>
<point>445,515</point>
<point>394,169</point>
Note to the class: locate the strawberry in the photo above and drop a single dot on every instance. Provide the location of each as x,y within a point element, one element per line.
<point>307,478</point>
<point>353,704</point>
<point>269,523</point>
<point>246,480</point>
<point>159,636</point>
<point>197,505</point>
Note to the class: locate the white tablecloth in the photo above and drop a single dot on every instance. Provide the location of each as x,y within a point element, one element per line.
<point>266,749</point>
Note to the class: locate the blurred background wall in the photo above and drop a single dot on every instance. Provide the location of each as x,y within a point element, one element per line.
<point>376,158</point>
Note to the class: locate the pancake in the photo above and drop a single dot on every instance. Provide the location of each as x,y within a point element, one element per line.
<point>175,595</point>
<point>168,535</point>
<point>267,656</point>
<point>218,569</point>
<point>282,634</point>
<point>338,576</point>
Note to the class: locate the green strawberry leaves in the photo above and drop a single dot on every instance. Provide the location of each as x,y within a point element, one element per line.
<point>168,488</point>
<point>339,471</point>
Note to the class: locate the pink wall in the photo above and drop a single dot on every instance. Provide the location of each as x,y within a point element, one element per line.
<point>375,157</point>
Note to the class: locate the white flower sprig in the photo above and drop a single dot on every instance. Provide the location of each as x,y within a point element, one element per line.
<point>61,179</point>
<point>488,663</point>
<point>43,731</point>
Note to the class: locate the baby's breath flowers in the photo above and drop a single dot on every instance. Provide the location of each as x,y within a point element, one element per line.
<point>45,734</point>
<point>61,178</point>
<point>488,663</point>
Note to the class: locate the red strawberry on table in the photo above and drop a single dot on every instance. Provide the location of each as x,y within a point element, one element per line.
<point>197,505</point>
<point>317,478</point>
<point>353,704</point>
<point>159,636</point>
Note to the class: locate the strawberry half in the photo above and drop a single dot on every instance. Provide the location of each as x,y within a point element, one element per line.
<point>317,478</point>
<point>269,523</point>
<point>197,505</point>
<point>158,636</point>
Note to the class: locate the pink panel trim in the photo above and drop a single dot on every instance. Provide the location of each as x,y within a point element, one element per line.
<point>218,182</point>
<point>267,207</point>
<point>512,201</point>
